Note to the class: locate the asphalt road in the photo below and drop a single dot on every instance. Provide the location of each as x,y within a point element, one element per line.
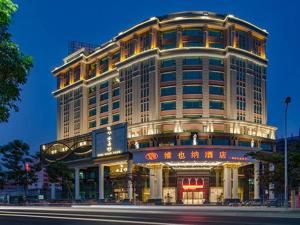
<point>135,215</point>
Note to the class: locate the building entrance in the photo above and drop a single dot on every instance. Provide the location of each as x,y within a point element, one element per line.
<point>192,197</point>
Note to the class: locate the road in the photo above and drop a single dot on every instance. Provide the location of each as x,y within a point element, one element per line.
<point>143,215</point>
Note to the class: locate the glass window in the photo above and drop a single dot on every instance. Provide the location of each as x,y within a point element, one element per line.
<point>92,89</point>
<point>216,105</point>
<point>220,141</point>
<point>168,63</point>
<point>216,90</point>
<point>192,37</point>
<point>215,33</point>
<point>104,96</point>
<point>192,61</point>
<point>116,105</point>
<point>168,77</point>
<point>104,85</point>
<point>192,75</point>
<point>77,73</point>
<point>192,89</point>
<point>168,106</point>
<point>169,39</point>
<point>92,112</point>
<point>92,124</point>
<point>214,75</point>
<point>104,121</point>
<point>167,91</point>
<point>192,104</point>
<point>116,117</point>
<point>103,65</point>
<point>92,100</point>
<point>216,62</point>
<point>116,92</point>
<point>104,108</point>
<point>245,143</point>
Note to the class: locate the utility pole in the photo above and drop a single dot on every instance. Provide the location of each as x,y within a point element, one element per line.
<point>287,101</point>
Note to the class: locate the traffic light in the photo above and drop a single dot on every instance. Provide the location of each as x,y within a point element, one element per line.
<point>27,167</point>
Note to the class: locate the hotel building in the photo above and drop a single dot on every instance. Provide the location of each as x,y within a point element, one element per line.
<point>166,111</point>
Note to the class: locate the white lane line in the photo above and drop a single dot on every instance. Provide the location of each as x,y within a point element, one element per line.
<point>88,219</point>
<point>71,214</point>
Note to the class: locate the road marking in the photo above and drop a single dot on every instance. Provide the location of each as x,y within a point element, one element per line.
<point>10,214</point>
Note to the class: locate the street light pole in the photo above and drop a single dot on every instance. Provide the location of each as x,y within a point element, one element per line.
<point>287,101</point>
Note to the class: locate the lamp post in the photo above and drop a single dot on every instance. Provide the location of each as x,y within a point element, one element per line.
<point>287,101</point>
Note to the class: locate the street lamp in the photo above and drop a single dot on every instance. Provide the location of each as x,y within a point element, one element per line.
<point>287,101</point>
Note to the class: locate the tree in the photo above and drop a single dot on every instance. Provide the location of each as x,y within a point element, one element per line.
<point>59,172</point>
<point>14,65</point>
<point>15,156</point>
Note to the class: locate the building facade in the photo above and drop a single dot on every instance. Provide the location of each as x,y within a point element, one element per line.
<point>166,111</point>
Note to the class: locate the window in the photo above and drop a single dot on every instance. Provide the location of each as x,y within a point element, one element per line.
<point>192,104</point>
<point>92,124</point>
<point>192,37</point>
<point>91,70</point>
<point>145,41</point>
<point>116,117</point>
<point>116,105</point>
<point>220,141</point>
<point>166,91</point>
<point>104,108</point>
<point>77,73</point>
<point>103,65</point>
<point>92,89</point>
<point>168,106</point>
<point>214,75</point>
<point>92,100</point>
<point>104,85</point>
<point>116,92</point>
<point>192,89</point>
<point>169,39</point>
<point>168,77</point>
<point>104,96</point>
<point>192,75</point>
<point>216,105</point>
<point>168,63</point>
<point>242,40</point>
<point>192,61</point>
<point>92,112</point>
<point>216,38</point>
<point>216,90</point>
<point>104,121</point>
<point>216,62</point>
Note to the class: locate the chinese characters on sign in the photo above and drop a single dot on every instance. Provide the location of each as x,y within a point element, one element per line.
<point>192,154</point>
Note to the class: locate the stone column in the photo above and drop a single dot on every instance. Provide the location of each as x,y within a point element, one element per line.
<point>77,184</point>
<point>52,187</point>
<point>235,182</point>
<point>101,182</point>
<point>152,184</point>
<point>159,183</point>
<point>130,188</point>
<point>227,182</point>
<point>256,181</point>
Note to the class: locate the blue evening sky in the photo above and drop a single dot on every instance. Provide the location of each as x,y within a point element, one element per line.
<point>43,28</point>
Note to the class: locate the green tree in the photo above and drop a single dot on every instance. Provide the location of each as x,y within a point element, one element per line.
<point>15,156</point>
<point>14,65</point>
<point>59,172</point>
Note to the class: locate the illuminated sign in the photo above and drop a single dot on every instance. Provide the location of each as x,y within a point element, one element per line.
<point>111,140</point>
<point>177,154</point>
<point>192,183</point>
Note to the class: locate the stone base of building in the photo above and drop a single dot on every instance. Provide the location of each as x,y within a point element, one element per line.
<point>101,201</point>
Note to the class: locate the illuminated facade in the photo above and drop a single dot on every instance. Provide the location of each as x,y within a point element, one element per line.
<point>189,89</point>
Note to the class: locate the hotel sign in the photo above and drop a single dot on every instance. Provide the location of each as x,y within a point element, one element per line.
<point>167,155</point>
<point>111,140</point>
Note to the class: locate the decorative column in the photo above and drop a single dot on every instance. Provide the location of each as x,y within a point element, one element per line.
<point>77,184</point>
<point>156,184</point>
<point>235,182</point>
<point>152,184</point>
<point>101,182</point>
<point>179,37</point>
<point>256,181</point>
<point>52,186</point>
<point>130,188</point>
<point>159,183</point>
<point>227,183</point>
